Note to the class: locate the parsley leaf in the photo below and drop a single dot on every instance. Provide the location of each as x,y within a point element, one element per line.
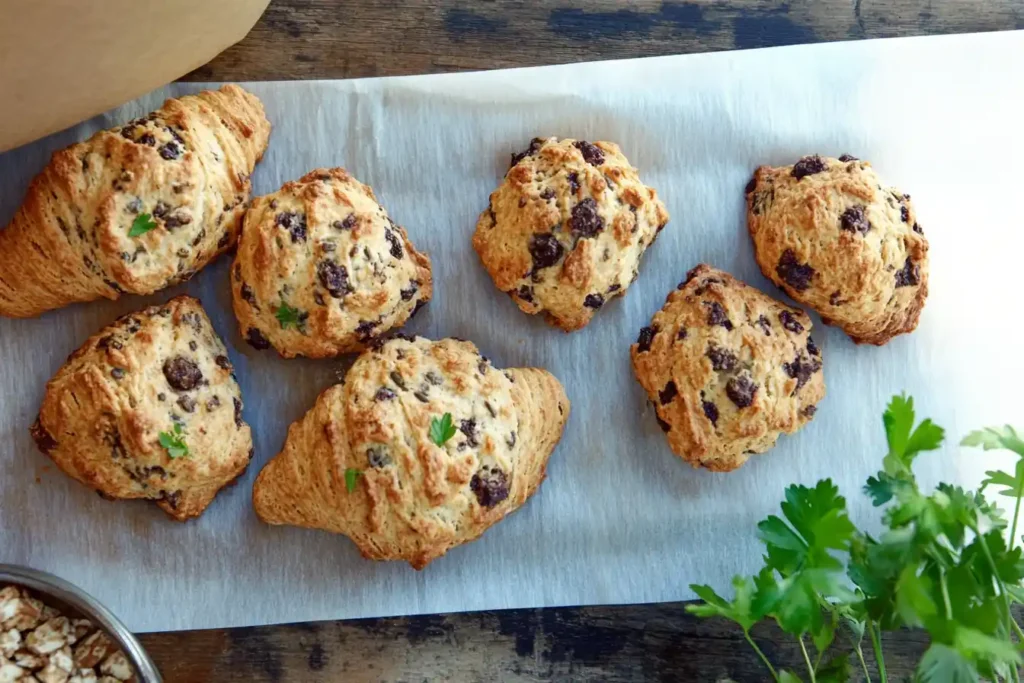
<point>835,670</point>
<point>943,664</point>
<point>992,438</point>
<point>352,478</point>
<point>739,610</point>
<point>142,224</point>
<point>904,444</point>
<point>174,442</point>
<point>819,524</point>
<point>288,316</point>
<point>442,430</point>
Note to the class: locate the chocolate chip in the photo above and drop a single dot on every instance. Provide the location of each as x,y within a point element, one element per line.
<point>117,373</point>
<point>585,220</point>
<point>646,338</point>
<point>294,223</point>
<point>193,346</point>
<point>256,339</point>
<point>681,334</point>
<point>797,275</point>
<point>238,412</point>
<point>904,214</point>
<point>44,441</point>
<point>334,278</point>
<point>187,403</point>
<point>614,288</point>
<point>384,394</point>
<point>490,409</point>
<point>848,157</point>
<point>917,229</point>
<point>535,145</point>
<point>182,374</point>
<point>378,457</point>
<point>801,369</point>
<point>751,184</point>
<point>574,182</point>
<point>421,395</point>
<point>717,315</point>
<point>483,366</point>
<point>347,224</point>
<point>170,150</point>
<point>434,378</point>
<point>223,362</point>
<point>134,206</point>
<point>525,292</point>
<point>365,327</point>
<point>834,298</point>
<point>809,411</point>
<point>710,411</point>
<point>790,322</point>
<point>160,210</point>
<point>161,397</point>
<point>408,294</point>
<point>147,139</point>
<point>812,348</point>
<point>854,220</point>
<point>668,393</point>
<point>522,202</point>
<point>722,360</point>
<point>468,427</point>
<point>547,193</point>
<point>765,326</point>
<point>703,287</point>
<point>511,440</point>
<point>592,154</point>
<point>545,249</point>
<point>396,243</point>
<point>249,296</point>
<point>594,301</point>
<point>908,275</point>
<point>741,390</point>
<point>490,485</point>
<point>213,404</point>
<point>808,166</point>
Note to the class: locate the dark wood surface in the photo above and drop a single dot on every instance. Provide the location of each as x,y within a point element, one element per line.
<point>305,39</point>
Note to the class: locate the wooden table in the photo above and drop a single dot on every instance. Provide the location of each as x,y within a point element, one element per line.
<point>299,39</point>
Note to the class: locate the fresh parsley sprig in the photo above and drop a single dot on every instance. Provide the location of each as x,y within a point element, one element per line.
<point>442,429</point>
<point>352,478</point>
<point>942,564</point>
<point>174,442</point>
<point>142,224</point>
<point>289,317</point>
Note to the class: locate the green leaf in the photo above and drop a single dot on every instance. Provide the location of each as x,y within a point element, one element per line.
<point>787,676</point>
<point>977,644</point>
<point>899,420</point>
<point>819,524</point>
<point>823,637</point>
<point>836,670</point>
<point>174,442</point>
<point>352,478</point>
<point>881,489</point>
<point>992,438</point>
<point>914,597</point>
<point>142,224</point>
<point>739,610</point>
<point>442,430</point>
<point>943,664</point>
<point>289,317</point>
<point>905,442</point>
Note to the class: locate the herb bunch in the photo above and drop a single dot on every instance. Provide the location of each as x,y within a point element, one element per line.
<point>946,562</point>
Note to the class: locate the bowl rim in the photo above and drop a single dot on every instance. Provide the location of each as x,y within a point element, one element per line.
<point>70,594</point>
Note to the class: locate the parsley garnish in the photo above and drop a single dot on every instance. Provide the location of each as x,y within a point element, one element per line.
<point>351,478</point>
<point>142,224</point>
<point>174,442</point>
<point>288,316</point>
<point>442,430</point>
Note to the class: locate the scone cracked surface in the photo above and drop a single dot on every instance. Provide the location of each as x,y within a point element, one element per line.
<point>835,238</point>
<point>105,411</point>
<point>413,498</point>
<point>322,270</point>
<point>136,208</point>
<point>728,369</point>
<point>565,231</point>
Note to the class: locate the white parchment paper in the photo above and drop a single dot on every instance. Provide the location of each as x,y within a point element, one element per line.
<point>620,519</point>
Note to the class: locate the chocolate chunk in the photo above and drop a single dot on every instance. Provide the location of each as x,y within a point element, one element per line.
<point>848,157</point>
<point>808,166</point>
<point>147,139</point>
<point>511,440</point>
<point>434,378</point>
<point>384,394</point>
<point>854,220</point>
<point>765,326</point>
<point>44,441</point>
<point>490,484</point>
<point>398,380</point>
<point>812,348</point>
<point>681,334</point>
<point>170,150</point>
<point>187,403</point>
<point>396,243</point>
<point>801,369</point>
<point>717,315</point>
<point>585,220</point>
<point>256,339</point>
<point>722,360</point>
<point>594,301</point>
<point>534,147</point>
<point>668,393</point>
<point>193,346</point>
<point>213,404</point>
<point>334,278</point>
<point>797,275</point>
<point>834,298</point>
<point>614,288</point>
<point>904,214</point>
<point>809,411</point>
<point>710,412</point>
<point>378,457</point>
<point>347,224</point>
<point>547,193</point>
<point>751,184</point>
<point>483,366</point>
<point>238,412</point>
<point>917,229</point>
<point>646,338</point>
<point>592,154</point>
<point>741,390</point>
<point>703,287</point>
<point>468,427</point>
<point>408,294</point>
<point>525,292</point>
<point>182,374</point>
<point>490,409</point>
<point>545,249</point>
<point>365,327</point>
<point>224,362</point>
<point>574,183</point>
<point>160,210</point>
<point>421,395</point>
<point>908,275</point>
<point>790,322</point>
<point>294,223</point>
<point>117,373</point>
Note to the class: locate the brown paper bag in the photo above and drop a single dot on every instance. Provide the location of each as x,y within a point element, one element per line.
<point>62,61</point>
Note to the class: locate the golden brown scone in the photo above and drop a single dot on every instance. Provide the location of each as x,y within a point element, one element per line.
<point>836,239</point>
<point>321,269</point>
<point>183,171</point>
<point>119,413</point>
<point>413,499</point>
<point>566,230</point>
<point>728,369</point>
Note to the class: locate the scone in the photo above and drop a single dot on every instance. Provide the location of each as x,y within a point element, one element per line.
<point>422,448</point>
<point>136,208</point>
<point>835,238</point>
<point>149,408</point>
<point>565,231</point>
<point>728,369</point>
<point>322,270</point>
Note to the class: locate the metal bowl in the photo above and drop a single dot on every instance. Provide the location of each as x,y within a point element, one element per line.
<point>74,601</point>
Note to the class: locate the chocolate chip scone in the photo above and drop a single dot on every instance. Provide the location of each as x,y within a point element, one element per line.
<point>322,270</point>
<point>566,230</point>
<point>728,369</point>
<point>422,448</point>
<point>149,408</point>
<point>835,238</point>
<point>136,208</point>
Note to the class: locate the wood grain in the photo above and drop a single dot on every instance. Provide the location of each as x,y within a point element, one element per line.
<point>300,39</point>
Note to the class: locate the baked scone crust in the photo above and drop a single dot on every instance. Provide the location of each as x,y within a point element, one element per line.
<point>186,165</point>
<point>415,500</point>
<point>728,369</point>
<point>836,239</point>
<point>565,231</point>
<point>325,248</point>
<point>105,409</point>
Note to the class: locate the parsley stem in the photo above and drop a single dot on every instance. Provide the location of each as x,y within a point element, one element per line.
<point>876,645</point>
<point>807,660</point>
<point>945,594</point>
<point>863,664</point>
<point>1020,634</point>
<point>999,582</point>
<point>746,634</point>
<point>1016,515</point>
